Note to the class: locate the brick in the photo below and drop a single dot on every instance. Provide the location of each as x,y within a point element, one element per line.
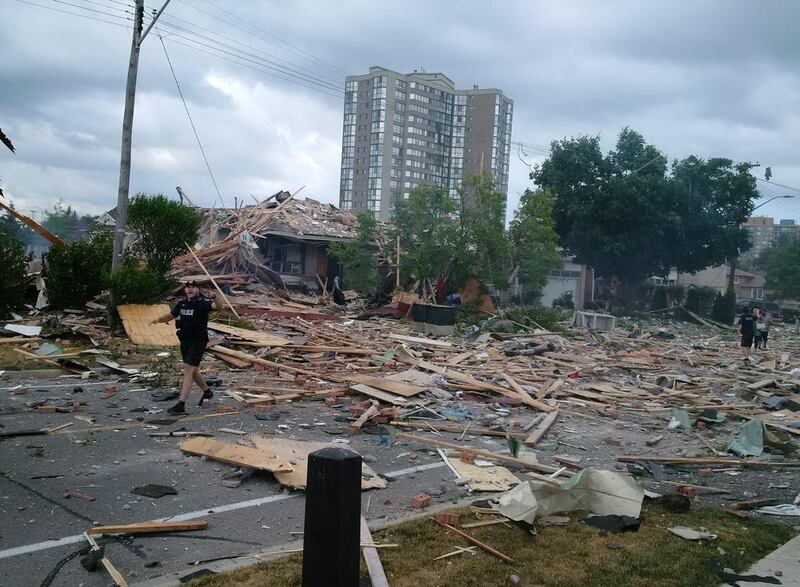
<point>705,473</point>
<point>468,457</point>
<point>46,409</point>
<point>612,441</point>
<point>690,492</point>
<point>700,425</point>
<point>300,380</point>
<point>225,410</point>
<point>448,518</point>
<point>420,501</point>
<point>261,408</point>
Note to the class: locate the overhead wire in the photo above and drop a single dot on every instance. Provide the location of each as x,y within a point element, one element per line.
<point>86,16</point>
<point>189,116</point>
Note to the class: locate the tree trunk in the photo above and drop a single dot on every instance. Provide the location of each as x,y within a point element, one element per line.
<point>732,261</point>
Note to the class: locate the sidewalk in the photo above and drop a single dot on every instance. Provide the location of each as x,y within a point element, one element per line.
<point>785,560</point>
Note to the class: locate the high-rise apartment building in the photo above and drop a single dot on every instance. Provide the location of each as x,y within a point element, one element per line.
<point>764,233</point>
<point>404,130</point>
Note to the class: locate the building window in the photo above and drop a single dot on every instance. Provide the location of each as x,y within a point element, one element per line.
<point>757,293</point>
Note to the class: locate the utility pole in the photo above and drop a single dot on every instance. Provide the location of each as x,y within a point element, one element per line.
<point>127,130</point>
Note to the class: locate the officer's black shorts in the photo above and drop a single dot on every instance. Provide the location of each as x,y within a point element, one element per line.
<point>192,350</point>
<point>747,340</point>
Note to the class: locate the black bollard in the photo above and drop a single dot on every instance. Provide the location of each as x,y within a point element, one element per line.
<point>331,539</point>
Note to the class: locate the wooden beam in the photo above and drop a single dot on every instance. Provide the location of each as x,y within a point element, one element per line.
<point>119,580</point>
<point>704,461</point>
<point>38,228</point>
<point>214,281</point>
<point>377,576</point>
<point>458,429</point>
<point>541,429</point>
<point>489,455</point>
<point>476,542</point>
<point>147,527</point>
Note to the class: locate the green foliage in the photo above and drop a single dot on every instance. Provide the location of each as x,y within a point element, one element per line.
<point>783,269</point>
<point>676,293</point>
<point>789,314</point>
<point>137,285</point>
<point>564,301</point>
<point>533,317</point>
<point>65,223</point>
<point>724,308</point>
<point>428,235</point>
<point>442,239</point>
<point>623,215</point>
<point>76,274</point>
<point>14,269</point>
<point>659,301</point>
<point>164,227</point>
<point>357,257</point>
<point>482,249</point>
<point>534,239</point>
<point>700,300</point>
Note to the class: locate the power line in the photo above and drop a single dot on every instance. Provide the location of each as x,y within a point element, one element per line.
<point>86,16</point>
<point>297,51</point>
<point>780,185</point>
<point>245,55</point>
<point>191,122</point>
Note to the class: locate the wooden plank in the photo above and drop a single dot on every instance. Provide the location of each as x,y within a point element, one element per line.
<point>234,454</point>
<point>495,478</point>
<point>147,527</point>
<point>384,384</point>
<point>19,340</point>
<point>137,319</point>
<point>706,461</point>
<point>296,453</point>
<point>476,542</point>
<point>277,366</point>
<point>489,455</point>
<point>458,429</point>
<point>421,341</point>
<point>119,580</point>
<point>464,378</point>
<point>379,394</point>
<point>38,228</point>
<point>264,338</point>
<point>362,419</point>
<point>233,361</point>
<point>377,576</point>
<point>214,281</point>
<point>541,429</point>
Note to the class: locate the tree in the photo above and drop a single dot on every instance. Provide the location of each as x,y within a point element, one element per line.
<point>76,274</point>
<point>357,257</point>
<point>482,249</point>
<point>533,238</point>
<point>14,269</point>
<point>783,269</point>
<point>724,308</point>
<point>626,217</point>
<point>67,224</point>
<point>163,227</point>
<point>428,234</point>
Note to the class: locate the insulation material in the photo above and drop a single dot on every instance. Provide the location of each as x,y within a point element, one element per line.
<point>137,320</point>
<point>600,492</point>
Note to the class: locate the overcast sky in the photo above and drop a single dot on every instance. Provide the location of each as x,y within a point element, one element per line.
<point>711,78</point>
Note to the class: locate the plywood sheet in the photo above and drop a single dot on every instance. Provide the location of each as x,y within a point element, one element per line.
<point>494,478</point>
<point>378,394</point>
<point>263,338</point>
<point>137,318</point>
<point>295,452</point>
<point>235,454</point>
<point>386,384</point>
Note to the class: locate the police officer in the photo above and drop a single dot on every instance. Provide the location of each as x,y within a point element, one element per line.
<point>191,315</point>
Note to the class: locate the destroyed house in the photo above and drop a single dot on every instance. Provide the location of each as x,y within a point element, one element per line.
<point>283,240</point>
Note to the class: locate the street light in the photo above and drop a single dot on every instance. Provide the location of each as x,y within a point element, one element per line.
<point>770,200</point>
<point>733,260</point>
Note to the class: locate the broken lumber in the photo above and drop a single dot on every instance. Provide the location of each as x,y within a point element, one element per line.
<point>214,281</point>
<point>234,454</point>
<point>38,228</point>
<point>489,455</point>
<point>476,542</point>
<point>148,527</point>
<point>373,410</point>
<point>377,576</point>
<point>447,427</point>
<point>705,461</point>
<point>541,429</point>
<point>119,580</point>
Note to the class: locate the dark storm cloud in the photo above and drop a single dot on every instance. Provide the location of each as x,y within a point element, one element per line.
<point>711,78</point>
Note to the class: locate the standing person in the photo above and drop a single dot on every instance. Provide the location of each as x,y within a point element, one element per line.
<point>759,324</point>
<point>766,320</point>
<point>797,323</point>
<point>746,328</point>
<point>191,314</point>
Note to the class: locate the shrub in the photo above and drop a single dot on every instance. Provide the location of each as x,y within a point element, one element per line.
<point>700,300</point>
<point>659,301</point>
<point>724,308</point>
<point>532,317</point>
<point>136,285</point>
<point>14,269</point>
<point>77,273</point>
<point>164,228</point>
<point>358,257</point>
<point>564,301</point>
